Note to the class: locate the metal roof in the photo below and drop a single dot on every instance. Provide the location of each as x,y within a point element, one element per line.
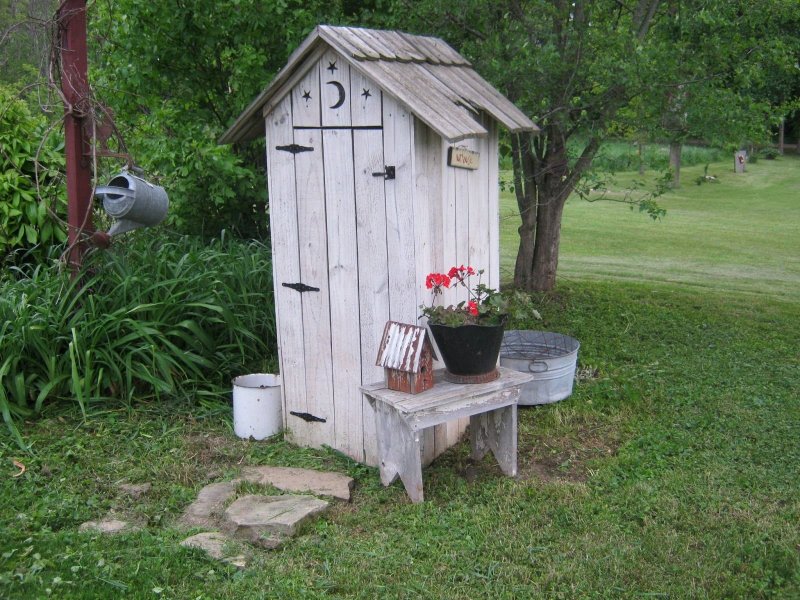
<point>401,347</point>
<point>434,81</point>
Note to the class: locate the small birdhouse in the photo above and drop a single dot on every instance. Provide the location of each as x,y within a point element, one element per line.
<point>406,355</point>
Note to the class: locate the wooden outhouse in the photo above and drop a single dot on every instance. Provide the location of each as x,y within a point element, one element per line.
<point>360,127</point>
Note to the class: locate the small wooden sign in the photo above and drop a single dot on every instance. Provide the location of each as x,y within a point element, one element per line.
<point>463,158</point>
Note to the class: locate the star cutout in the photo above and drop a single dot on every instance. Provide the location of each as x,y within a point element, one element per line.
<point>332,66</point>
<point>365,93</point>
<point>307,96</point>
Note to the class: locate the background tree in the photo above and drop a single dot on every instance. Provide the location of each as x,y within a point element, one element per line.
<point>24,39</point>
<point>176,75</point>
<point>571,66</point>
<point>719,80</point>
<point>578,67</point>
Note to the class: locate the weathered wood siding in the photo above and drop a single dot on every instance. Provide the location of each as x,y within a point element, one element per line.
<point>366,243</point>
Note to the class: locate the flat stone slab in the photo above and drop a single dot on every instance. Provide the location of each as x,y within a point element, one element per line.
<point>268,520</point>
<point>108,526</point>
<point>135,490</point>
<point>289,479</point>
<point>210,501</point>
<point>214,544</point>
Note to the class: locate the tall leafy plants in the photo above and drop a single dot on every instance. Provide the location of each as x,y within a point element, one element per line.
<point>151,319</point>
<point>32,198</point>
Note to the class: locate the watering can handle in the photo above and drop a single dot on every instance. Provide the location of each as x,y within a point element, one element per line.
<point>112,190</point>
<point>534,363</point>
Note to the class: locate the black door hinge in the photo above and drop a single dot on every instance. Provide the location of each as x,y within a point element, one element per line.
<point>308,417</point>
<point>294,148</point>
<point>300,287</point>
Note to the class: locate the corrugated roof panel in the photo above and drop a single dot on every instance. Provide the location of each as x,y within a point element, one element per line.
<point>401,347</point>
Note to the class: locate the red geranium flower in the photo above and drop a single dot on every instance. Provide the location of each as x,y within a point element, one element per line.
<point>473,308</point>
<point>436,281</point>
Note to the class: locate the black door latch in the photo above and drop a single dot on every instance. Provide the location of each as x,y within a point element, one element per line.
<point>387,174</point>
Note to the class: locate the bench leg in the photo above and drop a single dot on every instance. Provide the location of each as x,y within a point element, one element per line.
<point>399,452</point>
<point>496,431</point>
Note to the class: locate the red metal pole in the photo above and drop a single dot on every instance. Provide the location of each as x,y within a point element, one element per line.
<point>75,86</point>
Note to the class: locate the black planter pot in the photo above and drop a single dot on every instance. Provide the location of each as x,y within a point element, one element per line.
<point>469,352</point>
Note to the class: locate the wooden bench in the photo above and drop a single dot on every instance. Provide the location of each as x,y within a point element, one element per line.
<point>401,417</point>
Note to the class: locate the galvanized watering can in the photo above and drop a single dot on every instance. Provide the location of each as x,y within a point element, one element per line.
<point>133,202</point>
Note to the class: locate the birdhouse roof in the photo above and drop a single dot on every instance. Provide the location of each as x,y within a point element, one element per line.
<point>401,347</point>
<point>434,81</point>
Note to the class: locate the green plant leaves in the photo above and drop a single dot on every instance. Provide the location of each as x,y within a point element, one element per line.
<point>149,319</point>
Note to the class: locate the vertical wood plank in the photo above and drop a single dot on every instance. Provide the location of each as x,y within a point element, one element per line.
<point>479,251</point>
<point>373,275</point>
<point>397,151</point>
<point>306,100</point>
<point>464,197</point>
<point>493,185</point>
<point>343,291</point>
<point>463,203</point>
<point>427,221</point>
<point>447,435</point>
<point>449,230</point>
<point>334,84</point>
<point>365,101</point>
<point>286,267</point>
<point>314,272</point>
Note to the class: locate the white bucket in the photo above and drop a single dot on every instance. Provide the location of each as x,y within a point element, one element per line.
<point>257,406</point>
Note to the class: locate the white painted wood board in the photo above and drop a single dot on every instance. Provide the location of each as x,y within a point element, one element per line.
<point>397,151</point>
<point>373,274</point>
<point>493,196</point>
<point>312,228</point>
<point>286,264</point>
<point>365,102</point>
<point>343,290</point>
<point>334,83</point>
<point>306,99</point>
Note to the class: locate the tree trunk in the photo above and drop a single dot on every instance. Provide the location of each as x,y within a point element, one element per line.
<point>641,157</point>
<point>547,181</point>
<point>525,191</point>
<point>548,239</point>
<point>675,163</point>
<point>781,130</point>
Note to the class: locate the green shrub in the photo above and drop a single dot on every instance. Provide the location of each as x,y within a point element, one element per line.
<point>151,318</point>
<point>769,153</point>
<point>615,157</point>
<point>25,222</point>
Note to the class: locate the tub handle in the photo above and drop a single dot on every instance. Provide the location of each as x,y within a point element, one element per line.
<point>535,366</point>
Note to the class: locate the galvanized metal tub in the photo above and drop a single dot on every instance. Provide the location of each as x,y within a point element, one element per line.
<point>551,357</point>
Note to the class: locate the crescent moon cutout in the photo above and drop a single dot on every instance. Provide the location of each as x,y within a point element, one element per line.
<point>340,88</point>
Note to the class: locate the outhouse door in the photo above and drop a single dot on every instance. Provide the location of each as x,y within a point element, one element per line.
<point>327,178</point>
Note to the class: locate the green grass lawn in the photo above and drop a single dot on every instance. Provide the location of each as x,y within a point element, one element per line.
<point>739,235</point>
<point>672,472</point>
